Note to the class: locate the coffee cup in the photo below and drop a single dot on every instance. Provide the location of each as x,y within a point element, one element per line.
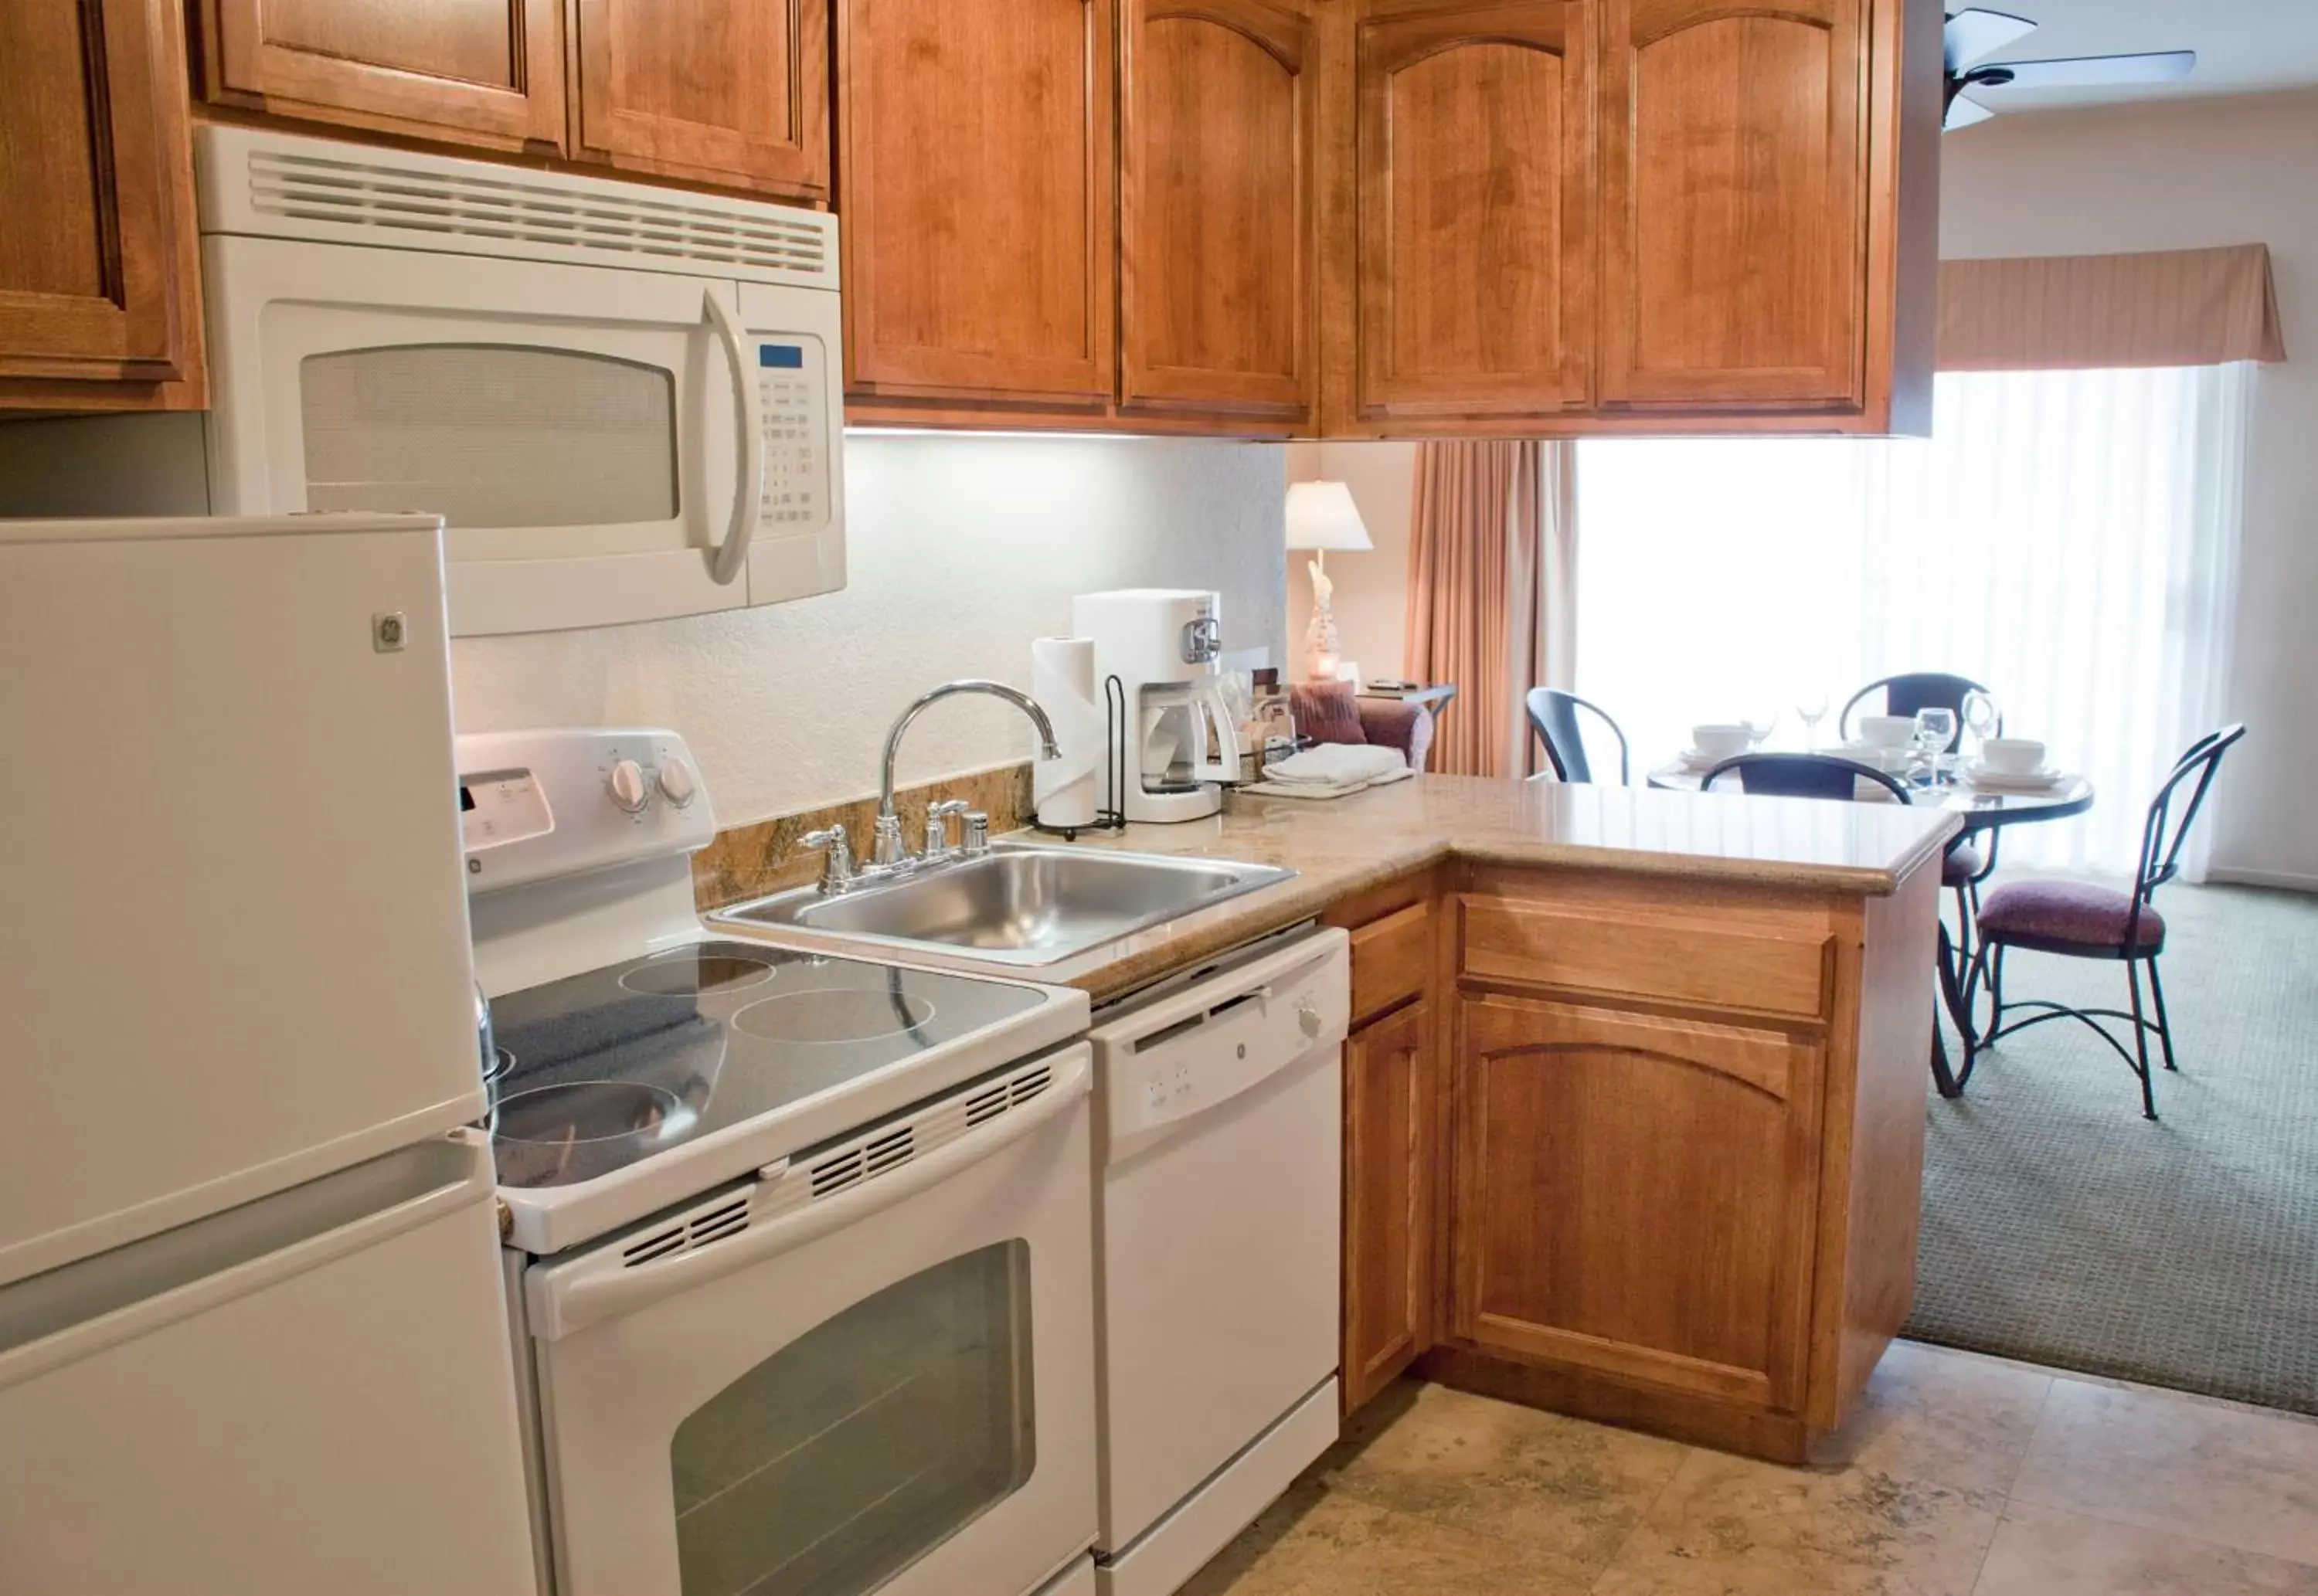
<point>2012,756</point>
<point>1720,739</point>
<point>1887,732</point>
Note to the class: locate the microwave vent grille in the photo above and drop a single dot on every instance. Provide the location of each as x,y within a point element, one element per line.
<point>511,213</point>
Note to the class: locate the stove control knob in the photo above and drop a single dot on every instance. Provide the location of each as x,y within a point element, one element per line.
<point>677,783</point>
<point>626,785</point>
<point>1307,1018</point>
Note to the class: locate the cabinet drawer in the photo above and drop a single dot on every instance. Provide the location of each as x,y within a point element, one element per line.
<point>1672,960</point>
<point>1392,960</point>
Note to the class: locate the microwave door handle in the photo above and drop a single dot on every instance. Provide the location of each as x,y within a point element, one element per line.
<point>732,553</point>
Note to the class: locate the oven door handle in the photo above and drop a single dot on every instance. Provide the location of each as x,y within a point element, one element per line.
<point>562,1307</point>
<point>748,414</point>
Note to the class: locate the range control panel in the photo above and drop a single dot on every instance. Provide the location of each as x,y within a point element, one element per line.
<point>792,393</point>
<point>564,800</point>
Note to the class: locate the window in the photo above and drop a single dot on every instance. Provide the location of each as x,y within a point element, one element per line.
<point>2069,538</point>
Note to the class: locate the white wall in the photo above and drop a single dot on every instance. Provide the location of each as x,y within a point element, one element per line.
<point>961,550</point>
<point>2176,177</point>
<point>1371,589</point>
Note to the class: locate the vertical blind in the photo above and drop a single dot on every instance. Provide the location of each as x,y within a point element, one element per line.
<point>2069,538</point>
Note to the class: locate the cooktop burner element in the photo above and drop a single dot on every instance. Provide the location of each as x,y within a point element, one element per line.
<point>620,1063</point>
<point>688,971</point>
<point>819,1016</point>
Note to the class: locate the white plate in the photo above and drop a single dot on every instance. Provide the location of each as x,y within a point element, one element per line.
<point>2020,781</point>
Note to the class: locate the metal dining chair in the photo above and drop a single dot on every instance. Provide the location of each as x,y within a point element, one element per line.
<point>1906,693</point>
<point>2084,920</point>
<point>1554,715</point>
<point>1802,775</point>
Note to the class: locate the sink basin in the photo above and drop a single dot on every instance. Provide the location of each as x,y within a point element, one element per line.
<point>1019,904</point>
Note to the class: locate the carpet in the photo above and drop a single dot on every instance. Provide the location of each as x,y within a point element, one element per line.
<point>2062,1228</point>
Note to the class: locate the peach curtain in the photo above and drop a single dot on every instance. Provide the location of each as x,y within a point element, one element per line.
<point>1490,557</point>
<point>2074,312</point>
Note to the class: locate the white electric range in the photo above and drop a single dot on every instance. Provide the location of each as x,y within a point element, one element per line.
<point>799,1248</point>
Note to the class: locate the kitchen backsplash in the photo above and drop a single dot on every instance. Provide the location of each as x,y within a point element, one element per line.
<point>961,551</point>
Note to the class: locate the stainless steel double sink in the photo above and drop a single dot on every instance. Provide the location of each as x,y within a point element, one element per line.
<point>1022,903</point>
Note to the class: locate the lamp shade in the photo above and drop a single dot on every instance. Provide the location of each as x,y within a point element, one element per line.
<point>1321,515</point>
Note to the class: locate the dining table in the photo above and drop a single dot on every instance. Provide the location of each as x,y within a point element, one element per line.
<point>1984,810</point>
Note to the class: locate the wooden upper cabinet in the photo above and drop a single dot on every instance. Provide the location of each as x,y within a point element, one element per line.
<point>731,92</point>
<point>1475,139</point>
<point>1637,1195</point>
<point>1735,204</point>
<point>976,144</point>
<point>96,274</point>
<point>1218,103</point>
<point>486,72</point>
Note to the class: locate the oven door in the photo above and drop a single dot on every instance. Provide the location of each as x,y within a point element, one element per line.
<point>604,444</point>
<point>871,1370</point>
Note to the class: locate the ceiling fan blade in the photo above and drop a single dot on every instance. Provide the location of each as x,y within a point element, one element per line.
<point>2090,71</point>
<point>1964,112</point>
<point>1974,35</point>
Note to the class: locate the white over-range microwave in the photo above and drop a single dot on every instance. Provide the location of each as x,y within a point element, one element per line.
<point>625,401</point>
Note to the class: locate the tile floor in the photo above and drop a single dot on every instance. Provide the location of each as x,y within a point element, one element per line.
<point>1960,1476</point>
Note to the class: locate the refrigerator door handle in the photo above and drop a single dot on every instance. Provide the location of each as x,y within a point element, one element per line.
<point>80,1310</point>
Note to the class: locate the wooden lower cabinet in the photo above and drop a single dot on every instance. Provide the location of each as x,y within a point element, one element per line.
<point>1390,1142</point>
<point>1636,1195</point>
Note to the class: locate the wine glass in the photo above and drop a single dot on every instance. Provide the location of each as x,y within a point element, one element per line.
<point>1935,730</point>
<point>1810,709</point>
<point>1981,717</point>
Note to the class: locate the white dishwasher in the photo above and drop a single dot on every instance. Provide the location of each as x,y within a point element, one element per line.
<point>1218,1114</point>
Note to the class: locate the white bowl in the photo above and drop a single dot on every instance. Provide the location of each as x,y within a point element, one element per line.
<point>1887,732</point>
<point>2012,756</point>
<point>1721,740</point>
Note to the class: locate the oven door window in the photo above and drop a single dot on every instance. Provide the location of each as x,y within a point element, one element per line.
<point>867,1442</point>
<point>490,434</point>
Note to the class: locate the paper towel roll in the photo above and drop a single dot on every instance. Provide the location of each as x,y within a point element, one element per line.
<point>1061,679</point>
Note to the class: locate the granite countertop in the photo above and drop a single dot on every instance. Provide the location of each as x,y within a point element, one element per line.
<point>1341,846</point>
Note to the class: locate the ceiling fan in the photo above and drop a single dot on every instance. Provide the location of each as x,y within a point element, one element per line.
<point>1974,35</point>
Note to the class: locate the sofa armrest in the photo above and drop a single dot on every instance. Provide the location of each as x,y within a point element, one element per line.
<point>1388,723</point>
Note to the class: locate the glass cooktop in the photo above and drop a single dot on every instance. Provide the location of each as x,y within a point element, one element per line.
<point>612,1066</point>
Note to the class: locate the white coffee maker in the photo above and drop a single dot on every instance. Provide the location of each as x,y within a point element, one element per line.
<point>1162,644</point>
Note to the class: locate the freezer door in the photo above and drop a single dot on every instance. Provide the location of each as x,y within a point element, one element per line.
<point>235,951</point>
<point>309,1394</point>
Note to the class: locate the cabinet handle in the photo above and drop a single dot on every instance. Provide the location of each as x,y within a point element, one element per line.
<point>734,552</point>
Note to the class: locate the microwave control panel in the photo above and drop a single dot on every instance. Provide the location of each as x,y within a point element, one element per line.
<point>793,394</point>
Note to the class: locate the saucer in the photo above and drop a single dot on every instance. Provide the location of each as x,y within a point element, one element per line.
<point>2040,780</point>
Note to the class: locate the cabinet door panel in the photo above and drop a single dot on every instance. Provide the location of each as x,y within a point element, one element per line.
<point>1636,1195</point>
<point>1475,176</point>
<point>487,72</point>
<point>976,170</point>
<point>729,90</point>
<point>1389,1162</point>
<point>1217,123</point>
<point>94,200</point>
<point>1734,264</point>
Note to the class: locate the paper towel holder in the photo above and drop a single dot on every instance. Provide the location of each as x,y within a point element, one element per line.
<point>1114,753</point>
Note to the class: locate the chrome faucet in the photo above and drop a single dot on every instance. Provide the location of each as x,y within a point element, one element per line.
<point>890,852</point>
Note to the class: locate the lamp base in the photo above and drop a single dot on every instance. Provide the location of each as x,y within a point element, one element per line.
<point>1320,645</point>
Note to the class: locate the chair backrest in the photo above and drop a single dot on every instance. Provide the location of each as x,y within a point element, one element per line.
<point>1554,715</point>
<point>2168,823</point>
<point>1802,775</point>
<point>1915,690</point>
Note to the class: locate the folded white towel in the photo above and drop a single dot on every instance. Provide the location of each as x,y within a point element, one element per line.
<point>1335,765</point>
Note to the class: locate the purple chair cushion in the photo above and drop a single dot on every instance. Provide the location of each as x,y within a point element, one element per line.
<point>1961,866</point>
<point>2071,911</point>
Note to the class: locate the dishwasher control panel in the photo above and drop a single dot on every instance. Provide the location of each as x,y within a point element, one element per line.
<point>1196,1049</point>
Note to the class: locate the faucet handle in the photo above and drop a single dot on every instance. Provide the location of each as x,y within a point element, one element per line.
<point>837,874</point>
<point>938,824</point>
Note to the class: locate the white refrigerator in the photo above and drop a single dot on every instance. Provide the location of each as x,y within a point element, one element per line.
<point>252,1335</point>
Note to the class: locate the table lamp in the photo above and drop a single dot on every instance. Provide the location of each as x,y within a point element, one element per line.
<point>1321,516</point>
